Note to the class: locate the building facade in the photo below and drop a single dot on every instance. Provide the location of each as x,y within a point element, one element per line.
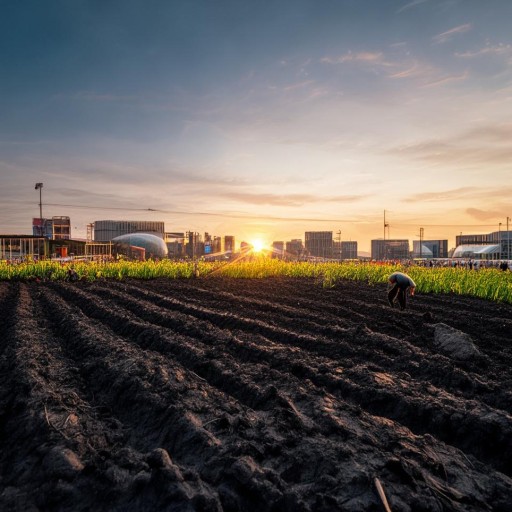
<point>278,249</point>
<point>345,250</point>
<point>319,244</point>
<point>229,244</point>
<point>390,249</point>
<point>106,230</point>
<point>294,248</point>
<point>175,242</point>
<point>499,245</point>
<point>430,249</point>
<point>56,228</point>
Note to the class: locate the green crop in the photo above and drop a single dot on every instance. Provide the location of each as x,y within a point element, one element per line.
<point>489,284</point>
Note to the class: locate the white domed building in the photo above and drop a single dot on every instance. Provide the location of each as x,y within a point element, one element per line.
<point>140,246</point>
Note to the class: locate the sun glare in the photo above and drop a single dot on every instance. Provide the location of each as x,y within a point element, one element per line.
<point>257,245</point>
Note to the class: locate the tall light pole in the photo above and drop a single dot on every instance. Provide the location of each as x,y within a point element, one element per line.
<point>508,241</point>
<point>386,225</point>
<point>499,237</point>
<point>40,187</point>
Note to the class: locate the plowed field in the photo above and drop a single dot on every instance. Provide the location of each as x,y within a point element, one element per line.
<point>249,395</point>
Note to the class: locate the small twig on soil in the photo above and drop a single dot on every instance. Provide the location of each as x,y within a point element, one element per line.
<point>47,418</point>
<point>440,493</point>
<point>66,420</point>
<point>195,375</point>
<point>51,425</point>
<point>382,495</point>
<point>211,421</point>
<point>466,457</point>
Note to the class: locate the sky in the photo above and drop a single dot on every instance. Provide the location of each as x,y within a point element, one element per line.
<point>259,119</point>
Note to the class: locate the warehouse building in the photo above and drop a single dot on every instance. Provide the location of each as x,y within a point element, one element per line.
<point>107,230</point>
<point>491,246</point>
<point>430,249</point>
<point>390,249</point>
<point>319,243</point>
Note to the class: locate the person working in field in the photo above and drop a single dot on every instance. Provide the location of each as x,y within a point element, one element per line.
<point>401,284</point>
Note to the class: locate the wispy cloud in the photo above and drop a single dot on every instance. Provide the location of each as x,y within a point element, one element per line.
<point>483,215</point>
<point>498,134</point>
<point>446,36</point>
<point>397,68</point>
<point>485,145</point>
<point>447,79</point>
<point>443,195</point>
<point>500,49</point>
<point>411,5</point>
<point>462,193</point>
<point>364,57</point>
<point>426,75</point>
<point>291,199</point>
<point>416,70</point>
<point>298,85</point>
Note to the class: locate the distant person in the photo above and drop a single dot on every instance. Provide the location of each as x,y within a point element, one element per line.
<point>504,266</point>
<point>402,284</point>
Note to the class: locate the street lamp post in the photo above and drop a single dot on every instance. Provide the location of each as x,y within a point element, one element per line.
<point>508,241</point>
<point>39,186</point>
<point>421,242</point>
<point>499,237</point>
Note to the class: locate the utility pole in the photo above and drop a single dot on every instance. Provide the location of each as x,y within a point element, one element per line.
<point>39,186</point>
<point>499,237</point>
<point>508,241</point>
<point>386,225</point>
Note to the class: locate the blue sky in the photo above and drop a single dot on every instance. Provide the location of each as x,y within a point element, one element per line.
<point>259,119</point>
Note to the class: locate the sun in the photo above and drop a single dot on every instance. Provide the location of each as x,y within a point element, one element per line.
<point>257,245</point>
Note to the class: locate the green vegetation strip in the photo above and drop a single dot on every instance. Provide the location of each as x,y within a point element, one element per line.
<point>490,284</point>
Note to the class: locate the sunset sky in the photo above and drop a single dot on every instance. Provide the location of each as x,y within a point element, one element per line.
<point>259,118</point>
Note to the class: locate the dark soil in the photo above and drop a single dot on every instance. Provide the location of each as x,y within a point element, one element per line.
<point>249,395</point>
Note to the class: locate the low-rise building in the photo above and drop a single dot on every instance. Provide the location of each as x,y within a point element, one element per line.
<point>106,230</point>
<point>319,244</point>
<point>397,249</point>
<point>430,249</point>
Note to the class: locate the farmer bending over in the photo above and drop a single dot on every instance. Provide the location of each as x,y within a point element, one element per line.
<point>401,283</point>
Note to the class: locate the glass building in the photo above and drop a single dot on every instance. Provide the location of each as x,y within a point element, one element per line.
<point>153,245</point>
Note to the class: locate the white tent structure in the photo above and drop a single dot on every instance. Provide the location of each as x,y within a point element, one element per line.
<point>478,252</point>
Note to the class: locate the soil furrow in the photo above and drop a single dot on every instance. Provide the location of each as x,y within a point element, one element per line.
<point>248,395</point>
<point>436,413</point>
<point>382,351</point>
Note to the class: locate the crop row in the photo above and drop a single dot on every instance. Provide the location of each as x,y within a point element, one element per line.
<point>489,284</point>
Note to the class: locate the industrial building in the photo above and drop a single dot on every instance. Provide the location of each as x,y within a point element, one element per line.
<point>278,249</point>
<point>294,248</point>
<point>106,230</point>
<point>56,228</point>
<point>491,246</point>
<point>430,249</point>
<point>319,244</point>
<point>194,245</point>
<point>228,245</point>
<point>175,242</point>
<point>13,247</point>
<point>345,250</point>
<point>19,247</point>
<point>390,249</point>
